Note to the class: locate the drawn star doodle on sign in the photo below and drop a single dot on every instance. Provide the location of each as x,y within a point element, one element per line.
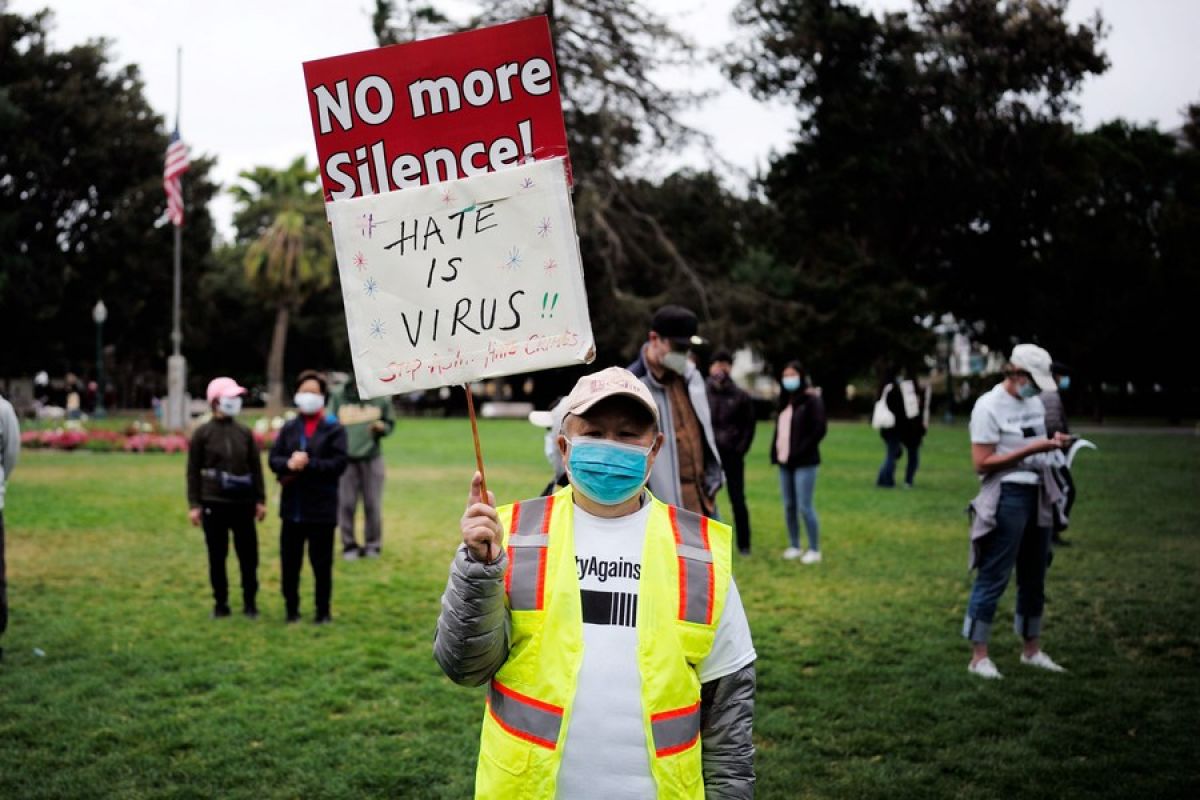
<point>370,287</point>
<point>447,197</point>
<point>543,228</point>
<point>378,329</point>
<point>527,183</point>
<point>360,261</point>
<point>368,224</point>
<point>550,264</point>
<point>513,260</point>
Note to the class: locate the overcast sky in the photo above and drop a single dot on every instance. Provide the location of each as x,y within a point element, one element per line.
<point>244,98</point>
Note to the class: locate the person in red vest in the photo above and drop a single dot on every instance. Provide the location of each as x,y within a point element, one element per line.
<point>605,622</point>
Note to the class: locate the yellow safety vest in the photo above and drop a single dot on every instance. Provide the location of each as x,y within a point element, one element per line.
<point>686,563</point>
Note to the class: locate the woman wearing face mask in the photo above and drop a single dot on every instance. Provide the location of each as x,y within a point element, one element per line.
<point>308,457</point>
<point>799,429</point>
<point>225,494</point>
<point>1018,501</point>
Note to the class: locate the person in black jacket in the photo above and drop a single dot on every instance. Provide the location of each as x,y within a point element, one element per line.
<point>226,494</point>
<point>308,457</point>
<point>732,412</point>
<point>799,429</point>
<point>903,398</point>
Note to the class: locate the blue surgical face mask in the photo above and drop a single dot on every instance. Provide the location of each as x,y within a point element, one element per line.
<point>1064,382</point>
<point>1028,390</point>
<point>608,473</point>
<point>791,383</point>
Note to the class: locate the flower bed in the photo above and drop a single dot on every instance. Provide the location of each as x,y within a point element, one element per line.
<point>137,438</point>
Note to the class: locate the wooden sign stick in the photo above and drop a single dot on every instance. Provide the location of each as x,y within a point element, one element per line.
<point>483,492</point>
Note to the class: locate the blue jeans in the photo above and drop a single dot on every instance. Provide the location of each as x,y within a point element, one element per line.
<point>887,472</point>
<point>1016,540</point>
<point>797,488</point>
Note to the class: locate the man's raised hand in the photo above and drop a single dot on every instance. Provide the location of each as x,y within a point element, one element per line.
<point>481,529</point>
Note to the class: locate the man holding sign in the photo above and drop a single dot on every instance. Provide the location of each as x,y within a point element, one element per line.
<point>607,623</point>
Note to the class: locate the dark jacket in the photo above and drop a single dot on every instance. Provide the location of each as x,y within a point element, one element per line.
<point>224,445</point>
<point>909,430</point>
<point>807,431</point>
<point>732,411</point>
<point>310,495</point>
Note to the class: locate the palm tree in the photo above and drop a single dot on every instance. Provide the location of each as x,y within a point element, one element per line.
<point>289,251</point>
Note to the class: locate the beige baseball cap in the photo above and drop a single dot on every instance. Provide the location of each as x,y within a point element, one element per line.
<point>611,382</point>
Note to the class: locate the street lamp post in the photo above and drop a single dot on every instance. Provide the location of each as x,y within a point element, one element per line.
<point>945,331</point>
<point>99,315</point>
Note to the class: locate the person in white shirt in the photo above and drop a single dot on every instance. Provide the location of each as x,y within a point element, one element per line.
<point>572,607</point>
<point>1011,453</point>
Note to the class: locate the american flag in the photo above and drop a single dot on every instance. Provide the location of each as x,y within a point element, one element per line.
<point>175,165</point>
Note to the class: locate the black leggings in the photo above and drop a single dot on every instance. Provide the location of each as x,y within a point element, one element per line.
<point>218,521</point>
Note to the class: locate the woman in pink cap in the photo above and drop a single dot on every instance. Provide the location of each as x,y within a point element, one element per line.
<point>226,494</point>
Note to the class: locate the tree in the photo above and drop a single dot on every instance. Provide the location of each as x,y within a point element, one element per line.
<point>81,210</point>
<point>924,165</point>
<point>289,252</point>
<point>617,119</point>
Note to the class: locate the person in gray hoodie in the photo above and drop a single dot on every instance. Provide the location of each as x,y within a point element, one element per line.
<point>10,448</point>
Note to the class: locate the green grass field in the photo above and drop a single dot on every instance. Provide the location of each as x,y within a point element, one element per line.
<point>116,684</point>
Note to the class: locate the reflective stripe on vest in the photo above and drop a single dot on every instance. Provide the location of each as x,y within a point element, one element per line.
<point>696,575</point>
<point>675,731</point>
<point>526,718</point>
<point>525,580</point>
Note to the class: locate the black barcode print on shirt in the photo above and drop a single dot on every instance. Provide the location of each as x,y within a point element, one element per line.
<point>609,608</point>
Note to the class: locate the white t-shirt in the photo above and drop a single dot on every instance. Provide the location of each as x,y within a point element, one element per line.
<point>1010,423</point>
<point>605,753</point>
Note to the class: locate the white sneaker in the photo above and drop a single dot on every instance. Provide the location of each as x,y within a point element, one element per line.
<point>811,557</point>
<point>1040,659</point>
<point>984,668</point>
<point>792,553</point>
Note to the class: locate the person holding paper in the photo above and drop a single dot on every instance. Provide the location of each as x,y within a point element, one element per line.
<point>688,473</point>
<point>606,623</point>
<point>226,494</point>
<point>308,457</point>
<point>1018,501</point>
<point>366,422</point>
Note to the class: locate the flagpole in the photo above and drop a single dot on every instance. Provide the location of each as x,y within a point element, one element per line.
<point>176,416</point>
<point>176,334</point>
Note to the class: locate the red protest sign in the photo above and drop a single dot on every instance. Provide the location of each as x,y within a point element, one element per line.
<point>435,110</point>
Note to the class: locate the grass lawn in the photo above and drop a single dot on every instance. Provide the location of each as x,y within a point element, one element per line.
<point>115,683</point>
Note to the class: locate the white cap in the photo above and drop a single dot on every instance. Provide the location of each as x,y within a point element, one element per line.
<point>1036,361</point>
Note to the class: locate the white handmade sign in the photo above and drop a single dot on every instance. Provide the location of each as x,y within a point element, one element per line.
<point>462,280</point>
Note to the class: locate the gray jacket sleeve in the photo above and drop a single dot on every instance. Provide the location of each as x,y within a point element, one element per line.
<point>471,642</point>
<point>727,735</point>
<point>10,440</point>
